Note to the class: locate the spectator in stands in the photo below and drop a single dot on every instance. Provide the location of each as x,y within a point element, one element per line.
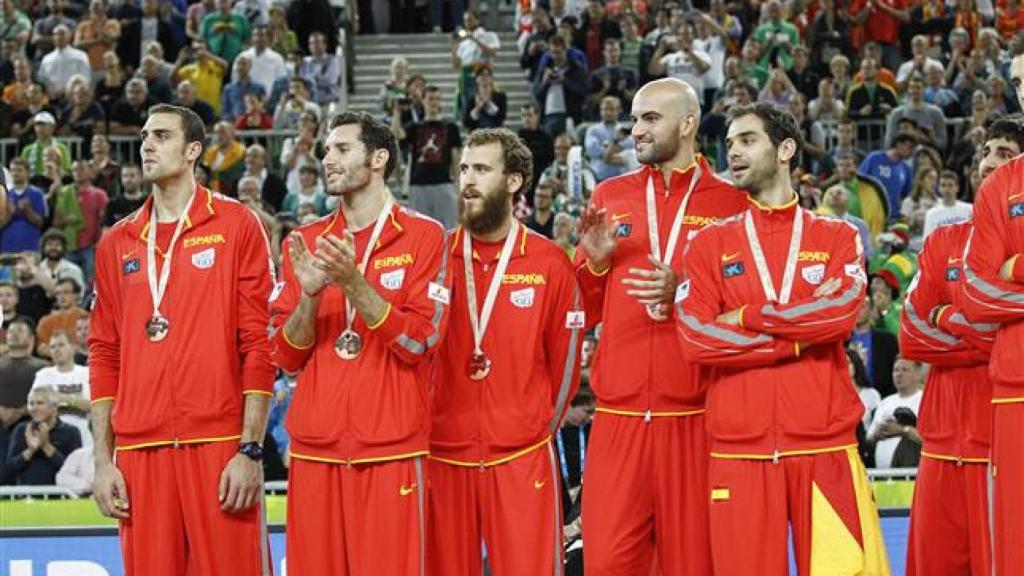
<point>540,143</point>
<point>44,124</point>
<point>393,89</point>
<point>14,24</point>
<point>473,47</point>
<point>868,199</point>
<point>97,34</point>
<point>321,70</point>
<point>632,41</point>
<point>156,50</point>
<point>225,158</point>
<point>559,169</point>
<point>293,62</point>
<point>23,213</point>
<point>869,99</point>
<point>301,150</point>
<point>15,94</point>
<point>612,79</point>
<point>129,113</point>
<point>571,441</point>
<point>233,98</point>
<point>890,429</point>
<point>266,65</point>
<point>295,106</point>
<point>826,106</point>
<point>891,169</point>
<point>271,186</point>
<point>62,63</point>
<point>79,212</point>
<point>536,44</point>
<point>70,383</point>
<point>282,39</point>
<point>42,30</point>
<point>10,418</point>
<point>8,310</point>
<point>106,173</point>
<point>779,90</point>
<point>565,233</point>
<point>921,199</point>
<point>919,62</point>
<point>22,120</point>
<point>877,348</point>
<point>560,89</point>
<point>567,30</point>
<point>249,194</point>
<point>77,472</point>
<point>131,198</point>
<point>839,71</point>
<point>928,117</point>
<point>970,81</point>
<point>778,37</point>
<point>542,220</point>
<point>159,88</point>
<point>677,57</point>
<point>836,203</point>
<point>596,26</point>
<point>65,314</point>
<point>54,176</point>
<point>38,448</point>
<point>434,146</point>
<point>205,80</point>
<point>33,301</point>
<point>224,32</point>
<point>828,36</point>
<point>607,143</point>
<point>310,191</point>
<point>936,92</point>
<point>54,265</point>
<point>950,208</point>
<point>110,86</point>
<point>1009,19</point>
<point>81,341</point>
<point>82,116</point>
<point>139,33</point>
<point>18,368</point>
<point>254,116</point>
<point>488,106</point>
<point>284,389</point>
<point>194,17</point>
<point>804,78</point>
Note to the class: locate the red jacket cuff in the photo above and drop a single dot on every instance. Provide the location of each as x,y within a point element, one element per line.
<point>287,355</point>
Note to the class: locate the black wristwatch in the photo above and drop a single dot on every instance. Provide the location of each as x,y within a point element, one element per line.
<point>252,450</point>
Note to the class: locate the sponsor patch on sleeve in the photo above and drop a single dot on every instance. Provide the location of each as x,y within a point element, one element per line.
<point>855,271</point>
<point>682,291</point>
<point>438,293</point>
<point>575,319</point>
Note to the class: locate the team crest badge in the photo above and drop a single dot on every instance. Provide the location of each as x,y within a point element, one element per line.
<point>813,274</point>
<point>522,298</point>
<point>204,259</point>
<point>393,280</point>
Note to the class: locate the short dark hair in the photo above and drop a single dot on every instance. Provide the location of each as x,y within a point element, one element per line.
<point>609,41</point>
<point>584,397</point>
<point>948,174</point>
<point>515,156</point>
<point>25,321</point>
<point>431,88</point>
<point>779,124</point>
<point>559,41</point>
<point>307,169</point>
<point>374,134</point>
<point>1009,127</point>
<point>75,286</point>
<point>191,124</point>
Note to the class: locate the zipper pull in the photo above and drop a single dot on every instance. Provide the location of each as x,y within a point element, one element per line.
<point>482,467</point>
<point>175,442</point>
<point>775,457</point>
<point>647,417</point>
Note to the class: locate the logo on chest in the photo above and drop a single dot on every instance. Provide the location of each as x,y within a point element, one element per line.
<point>623,230</point>
<point>393,280</point>
<point>1016,209</point>
<point>204,259</point>
<point>952,274</point>
<point>732,270</point>
<point>131,266</point>
<point>522,298</point>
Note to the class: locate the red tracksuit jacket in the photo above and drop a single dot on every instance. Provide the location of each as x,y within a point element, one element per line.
<point>767,396</point>
<point>639,366</point>
<point>998,235</point>
<point>533,341</point>
<point>374,407</point>
<point>956,411</point>
<point>190,387</point>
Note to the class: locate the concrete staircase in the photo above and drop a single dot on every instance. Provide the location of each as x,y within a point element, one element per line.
<point>429,55</point>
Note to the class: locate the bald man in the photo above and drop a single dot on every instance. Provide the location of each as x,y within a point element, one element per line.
<point>646,476</point>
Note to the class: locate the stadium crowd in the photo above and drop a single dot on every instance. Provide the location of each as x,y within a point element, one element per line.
<point>893,97</point>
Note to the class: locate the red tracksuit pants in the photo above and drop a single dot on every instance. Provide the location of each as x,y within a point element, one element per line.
<point>515,508</point>
<point>645,496</point>
<point>949,521</point>
<point>356,520</point>
<point>824,498</point>
<point>1008,488</point>
<point>176,525</point>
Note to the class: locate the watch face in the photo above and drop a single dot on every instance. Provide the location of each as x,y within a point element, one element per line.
<point>252,450</point>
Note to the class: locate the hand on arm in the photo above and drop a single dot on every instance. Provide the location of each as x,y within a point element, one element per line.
<point>241,482</point>
<point>108,487</point>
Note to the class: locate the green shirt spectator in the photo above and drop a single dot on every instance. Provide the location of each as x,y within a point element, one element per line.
<point>777,37</point>
<point>225,32</point>
<point>44,125</point>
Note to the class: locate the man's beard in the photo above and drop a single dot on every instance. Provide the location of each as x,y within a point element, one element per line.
<point>496,210</point>
<point>349,183</point>
<point>659,152</point>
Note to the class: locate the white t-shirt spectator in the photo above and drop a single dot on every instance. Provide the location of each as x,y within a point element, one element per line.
<point>470,53</point>
<point>940,215</point>
<point>78,471</point>
<point>715,49</point>
<point>680,65</point>
<point>885,449</point>
<point>75,383</point>
<point>60,65</point>
<point>871,399</point>
<point>266,68</point>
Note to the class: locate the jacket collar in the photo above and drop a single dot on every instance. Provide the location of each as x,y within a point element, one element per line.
<point>338,224</point>
<point>200,211</point>
<point>456,243</point>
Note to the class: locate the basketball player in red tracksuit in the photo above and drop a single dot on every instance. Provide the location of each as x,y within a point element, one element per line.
<point>994,290</point>
<point>768,299</point>
<point>360,313</point>
<point>645,486</point>
<point>949,523</point>
<point>180,368</point>
<point>493,473</point>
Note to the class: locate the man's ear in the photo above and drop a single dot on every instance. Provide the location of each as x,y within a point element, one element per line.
<point>379,159</point>
<point>786,150</point>
<point>515,181</point>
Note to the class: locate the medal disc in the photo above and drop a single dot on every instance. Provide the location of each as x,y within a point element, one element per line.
<point>479,366</point>
<point>348,345</point>
<point>657,312</point>
<point>157,327</point>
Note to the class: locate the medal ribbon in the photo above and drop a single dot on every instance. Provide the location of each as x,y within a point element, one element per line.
<point>677,222</point>
<point>378,227</point>
<point>480,321</point>
<point>762,265</point>
<point>157,288</point>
